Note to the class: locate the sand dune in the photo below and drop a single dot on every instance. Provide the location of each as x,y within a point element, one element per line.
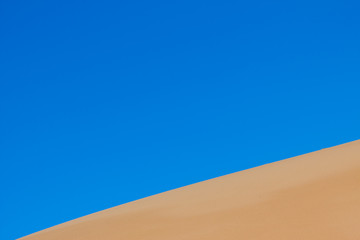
<point>310,197</point>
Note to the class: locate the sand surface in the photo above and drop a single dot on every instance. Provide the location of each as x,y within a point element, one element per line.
<point>310,197</point>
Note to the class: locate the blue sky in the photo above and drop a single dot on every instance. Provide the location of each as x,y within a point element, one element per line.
<point>105,102</point>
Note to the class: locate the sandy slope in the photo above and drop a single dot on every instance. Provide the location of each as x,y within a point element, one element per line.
<point>310,197</point>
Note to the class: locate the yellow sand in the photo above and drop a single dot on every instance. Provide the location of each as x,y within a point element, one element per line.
<point>310,197</point>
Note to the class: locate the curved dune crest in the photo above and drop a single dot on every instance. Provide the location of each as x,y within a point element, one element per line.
<point>312,196</point>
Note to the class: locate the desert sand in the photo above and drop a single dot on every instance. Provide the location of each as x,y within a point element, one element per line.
<point>309,197</point>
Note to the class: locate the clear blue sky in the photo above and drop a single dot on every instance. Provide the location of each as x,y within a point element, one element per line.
<point>105,102</point>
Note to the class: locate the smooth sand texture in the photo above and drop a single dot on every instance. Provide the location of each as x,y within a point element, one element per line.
<point>310,197</point>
